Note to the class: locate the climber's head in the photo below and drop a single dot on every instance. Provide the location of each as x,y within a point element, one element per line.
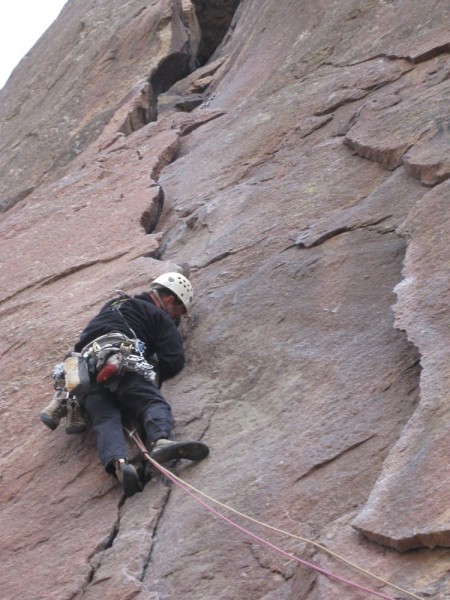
<point>174,291</point>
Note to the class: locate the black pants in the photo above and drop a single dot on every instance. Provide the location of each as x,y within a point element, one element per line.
<point>134,396</point>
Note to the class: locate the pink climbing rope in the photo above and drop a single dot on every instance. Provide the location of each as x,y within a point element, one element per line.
<point>254,536</point>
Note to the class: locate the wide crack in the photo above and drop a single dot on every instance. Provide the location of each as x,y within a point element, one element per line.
<point>214,18</point>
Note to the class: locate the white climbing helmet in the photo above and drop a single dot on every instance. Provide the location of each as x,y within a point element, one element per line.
<point>179,285</point>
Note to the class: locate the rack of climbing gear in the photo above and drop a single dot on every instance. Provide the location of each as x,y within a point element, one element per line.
<point>114,353</point>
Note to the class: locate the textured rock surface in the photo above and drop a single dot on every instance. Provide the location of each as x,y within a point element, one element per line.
<point>307,195</point>
<point>422,309</point>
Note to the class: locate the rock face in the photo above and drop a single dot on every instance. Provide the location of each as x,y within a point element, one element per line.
<point>301,174</point>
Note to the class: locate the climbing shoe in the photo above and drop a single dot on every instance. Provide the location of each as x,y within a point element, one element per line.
<point>165,450</point>
<point>54,411</point>
<point>127,476</point>
<point>75,422</point>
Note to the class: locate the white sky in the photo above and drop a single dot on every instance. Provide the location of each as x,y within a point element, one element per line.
<point>22,22</point>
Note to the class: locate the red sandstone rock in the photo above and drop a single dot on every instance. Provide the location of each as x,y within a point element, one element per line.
<point>298,194</point>
<point>421,310</point>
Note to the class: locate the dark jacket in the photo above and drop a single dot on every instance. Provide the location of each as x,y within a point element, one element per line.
<point>150,324</point>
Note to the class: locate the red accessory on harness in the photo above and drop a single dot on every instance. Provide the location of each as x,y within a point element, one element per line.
<point>108,372</point>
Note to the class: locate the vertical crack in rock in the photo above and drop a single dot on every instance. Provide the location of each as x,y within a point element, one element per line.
<point>214,18</point>
<point>95,558</point>
<point>164,156</point>
<point>121,559</point>
<point>155,532</point>
<point>214,21</point>
<point>209,418</point>
<point>150,216</point>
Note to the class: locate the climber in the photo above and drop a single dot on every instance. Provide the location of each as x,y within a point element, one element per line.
<point>119,346</point>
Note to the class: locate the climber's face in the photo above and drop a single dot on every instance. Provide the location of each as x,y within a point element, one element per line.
<point>174,308</point>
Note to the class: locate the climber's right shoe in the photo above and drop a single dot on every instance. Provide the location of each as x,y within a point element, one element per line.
<point>165,450</point>
<point>127,476</point>
<point>75,421</point>
<point>54,411</point>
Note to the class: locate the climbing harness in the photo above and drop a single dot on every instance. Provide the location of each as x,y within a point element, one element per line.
<point>195,494</point>
<point>108,356</point>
